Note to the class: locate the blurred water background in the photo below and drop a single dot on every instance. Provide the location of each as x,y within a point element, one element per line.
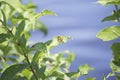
<point>80,19</point>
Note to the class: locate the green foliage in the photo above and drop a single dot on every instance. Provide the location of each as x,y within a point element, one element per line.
<point>11,71</point>
<point>107,2</point>
<point>109,33</point>
<point>20,60</point>
<point>90,79</point>
<point>112,33</point>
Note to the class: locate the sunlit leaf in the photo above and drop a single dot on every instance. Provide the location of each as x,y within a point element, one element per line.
<point>84,69</point>
<point>109,33</point>
<point>30,6</point>
<point>11,71</point>
<point>45,12</point>
<point>106,2</point>
<point>15,4</point>
<point>90,78</point>
<point>27,73</point>
<point>58,40</point>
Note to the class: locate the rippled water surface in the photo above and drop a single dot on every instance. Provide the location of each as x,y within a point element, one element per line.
<point>80,19</point>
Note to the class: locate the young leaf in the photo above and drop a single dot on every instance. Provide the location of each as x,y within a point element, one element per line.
<point>109,33</point>
<point>57,41</point>
<point>33,20</point>
<point>27,73</point>
<point>11,71</point>
<point>84,69</point>
<point>90,79</point>
<point>45,12</point>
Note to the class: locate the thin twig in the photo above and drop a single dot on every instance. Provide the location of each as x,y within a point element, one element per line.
<point>26,57</point>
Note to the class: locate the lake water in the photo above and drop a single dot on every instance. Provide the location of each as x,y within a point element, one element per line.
<point>80,19</point>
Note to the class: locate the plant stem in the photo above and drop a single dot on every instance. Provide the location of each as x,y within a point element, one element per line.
<point>26,57</point>
<point>5,26</point>
<point>117,10</point>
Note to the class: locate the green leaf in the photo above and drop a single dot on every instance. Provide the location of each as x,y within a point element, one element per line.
<point>20,78</point>
<point>3,37</point>
<point>45,12</point>
<point>39,47</point>
<point>30,6</point>
<point>118,78</point>
<point>4,17</point>
<point>59,78</point>
<point>116,51</point>
<point>71,57</point>
<point>114,17</point>
<point>15,4</point>
<point>37,56</point>
<point>103,78</point>
<point>107,2</point>
<point>22,41</point>
<point>11,71</point>
<point>73,74</point>
<point>84,69</point>
<point>57,41</point>
<point>109,33</point>
<point>34,18</point>
<point>27,73</point>
<point>90,79</point>
<point>20,29</point>
<point>42,72</point>
<point>114,67</point>
<point>17,17</point>
<point>40,26</point>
